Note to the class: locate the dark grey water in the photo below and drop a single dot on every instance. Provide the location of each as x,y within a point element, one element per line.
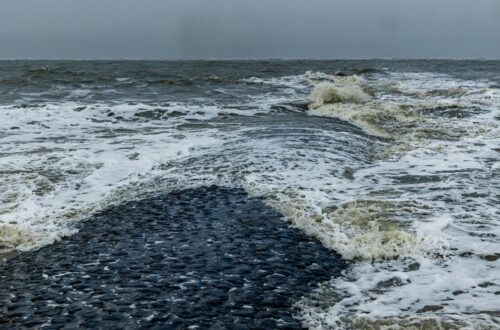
<point>207,257</point>
<point>392,164</point>
<point>167,81</point>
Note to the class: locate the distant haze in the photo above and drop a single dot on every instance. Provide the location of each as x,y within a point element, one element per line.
<point>170,29</point>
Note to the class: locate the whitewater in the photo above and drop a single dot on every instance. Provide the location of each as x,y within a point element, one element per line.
<point>392,164</point>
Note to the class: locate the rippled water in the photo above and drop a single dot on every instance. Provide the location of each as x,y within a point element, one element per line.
<point>393,164</point>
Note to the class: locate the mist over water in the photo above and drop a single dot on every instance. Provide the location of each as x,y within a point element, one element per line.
<point>392,164</point>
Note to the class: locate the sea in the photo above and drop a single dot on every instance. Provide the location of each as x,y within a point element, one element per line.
<point>392,164</point>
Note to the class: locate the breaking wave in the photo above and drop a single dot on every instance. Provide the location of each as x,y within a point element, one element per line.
<point>402,181</point>
<point>328,93</point>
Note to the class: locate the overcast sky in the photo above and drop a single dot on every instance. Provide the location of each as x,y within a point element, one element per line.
<point>249,28</point>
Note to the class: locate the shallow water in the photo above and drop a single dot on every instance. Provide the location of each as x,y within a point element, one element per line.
<point>206,257</point>
<point>394,165</point>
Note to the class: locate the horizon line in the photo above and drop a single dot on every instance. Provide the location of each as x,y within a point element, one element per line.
<point>252,59</point>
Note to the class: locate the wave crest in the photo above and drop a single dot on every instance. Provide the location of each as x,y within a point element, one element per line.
<point>329,93</point>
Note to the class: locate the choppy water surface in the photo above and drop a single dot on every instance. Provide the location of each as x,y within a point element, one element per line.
<point>393,164</point>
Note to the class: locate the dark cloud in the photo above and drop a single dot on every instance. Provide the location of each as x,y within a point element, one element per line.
<point>249,29</point>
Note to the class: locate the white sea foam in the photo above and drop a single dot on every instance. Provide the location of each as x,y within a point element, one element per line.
<point>431,200</point>
<point>79,93</point>
<point>454,282</point>
<point>63,164</point>
<point>417,214</point>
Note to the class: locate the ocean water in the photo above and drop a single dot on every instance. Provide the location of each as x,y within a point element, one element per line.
<point>393,164</point>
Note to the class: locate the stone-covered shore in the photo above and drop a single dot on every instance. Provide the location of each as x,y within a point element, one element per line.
<point>207,258</point>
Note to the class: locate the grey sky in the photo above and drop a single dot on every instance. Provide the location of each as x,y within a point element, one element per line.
<point>249,28</point>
